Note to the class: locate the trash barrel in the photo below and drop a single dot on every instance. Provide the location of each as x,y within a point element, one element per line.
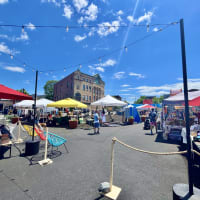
<point>32,147</point>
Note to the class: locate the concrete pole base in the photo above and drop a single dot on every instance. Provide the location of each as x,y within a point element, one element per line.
<point>181,192</point>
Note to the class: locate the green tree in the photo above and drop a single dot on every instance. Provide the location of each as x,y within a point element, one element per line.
<point>23,91</point>
<point>140,100</point>
<point>48,89</point>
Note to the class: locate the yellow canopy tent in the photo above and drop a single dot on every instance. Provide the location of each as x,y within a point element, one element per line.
<point>80,105</point>
<point>67,103</point>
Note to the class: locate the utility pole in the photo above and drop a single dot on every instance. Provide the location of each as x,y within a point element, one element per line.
<point>189,153</point>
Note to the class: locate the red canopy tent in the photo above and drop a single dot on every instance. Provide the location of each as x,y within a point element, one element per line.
<point>8,93</point>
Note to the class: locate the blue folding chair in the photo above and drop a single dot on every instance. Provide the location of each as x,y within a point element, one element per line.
<point>56,141</point>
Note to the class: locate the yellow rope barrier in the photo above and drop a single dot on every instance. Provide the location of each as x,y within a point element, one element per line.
<point>151,152</point>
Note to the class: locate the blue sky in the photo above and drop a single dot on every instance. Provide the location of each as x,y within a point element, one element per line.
<point>150,67</point>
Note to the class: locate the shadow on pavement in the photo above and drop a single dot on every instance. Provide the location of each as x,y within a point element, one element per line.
<point>99,198</point>
<point>160,139</point>
<point>33,160</point>
<point>93,134</point>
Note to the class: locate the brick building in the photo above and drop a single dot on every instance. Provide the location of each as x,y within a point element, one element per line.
<point>80,86</point>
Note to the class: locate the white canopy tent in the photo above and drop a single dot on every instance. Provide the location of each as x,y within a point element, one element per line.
<point>179,98</point>
<point>108,101</point>
<point>41,103</point>
<point>24,104</point>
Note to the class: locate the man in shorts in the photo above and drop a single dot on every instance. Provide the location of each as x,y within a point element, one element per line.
<point>152,117</point>
<point>96,122</point>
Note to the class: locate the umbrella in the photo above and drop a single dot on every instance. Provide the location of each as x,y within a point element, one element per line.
<point>8,93</point>
<point>108,101</point>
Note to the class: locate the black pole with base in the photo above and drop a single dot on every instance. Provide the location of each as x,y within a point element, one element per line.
<point>183,191</point>
<point>32,146</point>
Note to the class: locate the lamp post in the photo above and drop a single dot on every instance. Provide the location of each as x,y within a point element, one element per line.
<point>181,191</point>
<point>32,146</point>
<point>34,105</point>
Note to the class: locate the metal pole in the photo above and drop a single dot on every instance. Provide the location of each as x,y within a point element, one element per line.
<point>36,79</point>
<point>112,164</point>
<point>187,118</point>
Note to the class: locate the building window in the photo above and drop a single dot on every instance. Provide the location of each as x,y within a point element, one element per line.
<point>86,97</point>
<point>87,87</point>
<point>94,98</point>
<point>90,88</point>
<point>71,85</point>
<point>83,79</point>
<point>83,97</point>
<point>89,98</point>
<point>86,80</point>
<point>83,87</point>
<point>77,87</point>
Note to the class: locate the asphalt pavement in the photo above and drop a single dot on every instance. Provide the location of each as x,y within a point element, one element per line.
<point>76,175</point>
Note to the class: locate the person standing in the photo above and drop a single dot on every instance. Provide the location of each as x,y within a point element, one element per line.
<point>96,122</point>
<point>152,117</point>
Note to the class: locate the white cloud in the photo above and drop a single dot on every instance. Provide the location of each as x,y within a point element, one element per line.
<point>136,75</point>
<point>120,12</point>
<point>27,81</point>
<point>79,38</point>
<point>3,1</point>
<point>67,11</point>
<point>165,89</point>
<point>155,29</point>
<point>15,69</point>
<point>125,85</point>
<point>100,69</point>
<point>5,49</point>
<point>56,3</point>
<point>23,37</point>
<point>107,28</point>
<point>31,26</point>
<point>124,90</point>
<point>107,63</point>
<point>91,12</point>
<point>119,75</point>
<point>131,19</point>
<point>79,4</point>
<point>146,17</point>
<point>85,46</point>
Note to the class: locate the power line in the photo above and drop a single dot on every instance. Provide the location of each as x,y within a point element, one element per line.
<point>67,27</point>
<point>99,58</point>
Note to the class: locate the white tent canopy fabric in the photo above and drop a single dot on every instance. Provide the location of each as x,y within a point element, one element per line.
<point>28,103</point>
<point>179,98</point>
<point>24,104</point>
<point>108,101</point>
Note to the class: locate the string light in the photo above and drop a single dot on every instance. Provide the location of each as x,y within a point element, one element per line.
<point>126,49</point>
<point>147,27</point>
<point>23,29</point>
<point>94,59</point>
<point>82,26</point>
